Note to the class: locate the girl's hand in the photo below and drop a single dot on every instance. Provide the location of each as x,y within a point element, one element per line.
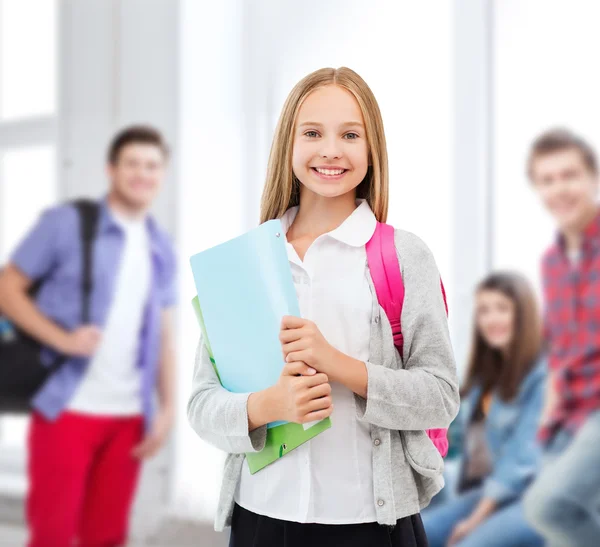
<point>301,340</point>
<point>301,395</point>
<point>461,531</point>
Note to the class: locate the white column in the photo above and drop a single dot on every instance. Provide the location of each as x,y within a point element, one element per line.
<point>210,207</point>
<point>471,191</point>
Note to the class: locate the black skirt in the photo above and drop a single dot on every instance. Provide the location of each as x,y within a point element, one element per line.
<point>251,530</point>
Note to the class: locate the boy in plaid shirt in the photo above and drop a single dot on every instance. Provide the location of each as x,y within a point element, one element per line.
<point>563,504</point>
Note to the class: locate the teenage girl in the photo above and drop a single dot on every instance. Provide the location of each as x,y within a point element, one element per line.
<point>364,481</point>
<point>502,396</point>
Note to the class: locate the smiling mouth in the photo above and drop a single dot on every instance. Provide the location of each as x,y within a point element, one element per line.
<point>564,207</point>
<point>329,173</point>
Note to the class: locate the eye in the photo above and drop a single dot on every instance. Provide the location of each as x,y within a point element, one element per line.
<point>351,136</point>
<point>311,134</point>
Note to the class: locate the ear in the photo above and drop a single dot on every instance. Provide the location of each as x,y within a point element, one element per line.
<point>110,170</point>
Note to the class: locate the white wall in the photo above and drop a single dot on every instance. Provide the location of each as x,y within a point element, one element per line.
<point>545,75</point>
<point>119,66</point>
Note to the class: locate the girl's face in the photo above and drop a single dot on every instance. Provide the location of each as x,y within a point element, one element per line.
<point>330,156</point>
<point>495,317</point>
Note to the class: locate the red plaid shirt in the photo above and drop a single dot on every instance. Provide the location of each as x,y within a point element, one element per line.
<point>572,296</point>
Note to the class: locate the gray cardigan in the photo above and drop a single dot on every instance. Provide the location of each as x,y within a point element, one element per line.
<point>403,398</point>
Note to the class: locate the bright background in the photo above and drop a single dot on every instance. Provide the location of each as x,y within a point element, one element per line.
<point>464,86</point>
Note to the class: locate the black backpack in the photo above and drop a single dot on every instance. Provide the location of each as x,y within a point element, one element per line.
<point>22,373</point>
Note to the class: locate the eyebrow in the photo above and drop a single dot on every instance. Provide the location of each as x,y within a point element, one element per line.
<point>345,124</point>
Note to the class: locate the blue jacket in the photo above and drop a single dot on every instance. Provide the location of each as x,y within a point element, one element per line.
<point>511,430</point>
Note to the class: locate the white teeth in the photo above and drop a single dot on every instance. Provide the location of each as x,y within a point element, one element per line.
<point>330,172</point>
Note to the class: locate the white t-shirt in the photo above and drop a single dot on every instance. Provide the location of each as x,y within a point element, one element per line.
<point>112,383</point>
<point>574,256</point>
<point>328,480</point>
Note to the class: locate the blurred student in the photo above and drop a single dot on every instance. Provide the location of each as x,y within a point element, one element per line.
<point>93,420</point>
<point>501,408</point>
<point>354,485</point>
<point>564,502</point>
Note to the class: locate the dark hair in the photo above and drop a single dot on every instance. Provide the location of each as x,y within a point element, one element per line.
<point>487,367</point>
<point>558,140</point>
<point>143,134</point>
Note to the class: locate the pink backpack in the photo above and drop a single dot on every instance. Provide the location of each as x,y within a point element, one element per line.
<point>385,271</point>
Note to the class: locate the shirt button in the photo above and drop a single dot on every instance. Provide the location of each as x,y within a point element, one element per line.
<point>376,442</point>
<point>377,319</point>
<point>380,503</point>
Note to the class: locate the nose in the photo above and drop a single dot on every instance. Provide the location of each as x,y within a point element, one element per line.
<point>560,188</point>
<point>330,149</point>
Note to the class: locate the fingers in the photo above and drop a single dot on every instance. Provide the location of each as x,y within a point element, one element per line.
<point>291,322</point>
<point>290,335</point>
<point>88,347</point>
<point>90,332</point>
<point>454,538</point>
<point>141,449</point>
<point>315,380</point>
<point>322,390</point>
<point>303,356</point>
<point>86,340</point>
<point>318,415</point>
<point>298,368</point>
<point>296,346</point>
<point>93,340</point>
<point>147,448</point>
<point>322,403</point>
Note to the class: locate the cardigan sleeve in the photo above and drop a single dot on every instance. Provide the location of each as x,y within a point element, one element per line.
<point>218,416</point>
<point>424,394</point>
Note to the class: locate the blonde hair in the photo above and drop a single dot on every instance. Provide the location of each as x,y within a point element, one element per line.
<point>282,188</point>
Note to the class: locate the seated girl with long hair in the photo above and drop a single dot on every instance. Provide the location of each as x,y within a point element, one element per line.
<point>501,406</point>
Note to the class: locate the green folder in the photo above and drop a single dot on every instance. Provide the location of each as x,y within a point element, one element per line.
<point>281,439</point>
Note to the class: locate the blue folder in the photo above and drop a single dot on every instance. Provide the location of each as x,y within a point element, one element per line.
<point>244,289</point>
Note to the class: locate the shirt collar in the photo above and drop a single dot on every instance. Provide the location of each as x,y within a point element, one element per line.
<point>107,223</point>
<point>355,231</point>
<point>106,220</point>
<point>592,231</point>
<point>590,236</point>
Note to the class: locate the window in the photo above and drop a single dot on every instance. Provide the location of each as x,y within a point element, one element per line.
<point>28,109</point>
<point>27,58</point>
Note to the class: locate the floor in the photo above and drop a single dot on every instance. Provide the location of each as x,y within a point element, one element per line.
<point>176,536</point>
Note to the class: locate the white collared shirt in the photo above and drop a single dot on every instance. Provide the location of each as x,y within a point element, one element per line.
<point>328,480</point>
<point>113,380</point>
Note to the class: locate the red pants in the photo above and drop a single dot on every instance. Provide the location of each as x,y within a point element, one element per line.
<point>82,479</point>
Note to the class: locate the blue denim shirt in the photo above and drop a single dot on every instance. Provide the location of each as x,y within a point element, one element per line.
<point>511,429</point>
<point>52,252</point>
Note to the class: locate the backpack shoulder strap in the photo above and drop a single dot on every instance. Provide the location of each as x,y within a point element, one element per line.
<point>88,211</point>
<point>444,295</point>
<point>384,266</point>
